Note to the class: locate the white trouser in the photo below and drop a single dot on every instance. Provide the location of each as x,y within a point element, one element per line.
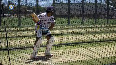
<point>39,42</point>
<point>36,47</point>
<point>49,45</point>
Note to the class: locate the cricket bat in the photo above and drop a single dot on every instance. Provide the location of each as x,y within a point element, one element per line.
<point>34,16</point>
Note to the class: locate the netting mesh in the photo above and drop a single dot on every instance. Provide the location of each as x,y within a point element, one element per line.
<point>84,33</point>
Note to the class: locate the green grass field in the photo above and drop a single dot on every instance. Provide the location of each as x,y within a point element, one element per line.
<point>82,53</point>
<point>59,21</point>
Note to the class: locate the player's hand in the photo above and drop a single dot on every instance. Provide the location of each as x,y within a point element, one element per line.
<point>50,28</point>
<point>52,25</point>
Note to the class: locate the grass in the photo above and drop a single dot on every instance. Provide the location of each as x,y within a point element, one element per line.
<point>96,61</point>
<point>59,21</point>
<point>17,54</point>
<point>64,47</point>
<point>63,34</point>
<point>26,31</point>
<point>22,42</point>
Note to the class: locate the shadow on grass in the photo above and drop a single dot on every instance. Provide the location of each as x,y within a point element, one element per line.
<point>1,64</point>
<point>39,58</point>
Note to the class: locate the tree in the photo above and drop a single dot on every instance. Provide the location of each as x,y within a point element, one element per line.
<point>23,9</point>
<point>112,3</point>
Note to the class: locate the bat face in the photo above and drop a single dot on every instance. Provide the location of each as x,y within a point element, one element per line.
<point>34,16</point>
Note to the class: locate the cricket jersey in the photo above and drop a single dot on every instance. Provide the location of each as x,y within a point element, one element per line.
<point>44,20</point>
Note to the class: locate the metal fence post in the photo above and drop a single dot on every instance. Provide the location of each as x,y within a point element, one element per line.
<point>68,12</point>
<point>25,2</point>
<point>19,21</point>
<point>37,11</point>
<point>26,8</point>
<point>53,3</point>
<point>82,12</point>
<point>95,11</point>
<point>0,12</point>
<point>107,11</point>
<point>54,7</point>
<point>6,38</point>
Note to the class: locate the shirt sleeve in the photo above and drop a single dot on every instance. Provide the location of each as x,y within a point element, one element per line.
<point>40,17</point>
<point>52,19</point>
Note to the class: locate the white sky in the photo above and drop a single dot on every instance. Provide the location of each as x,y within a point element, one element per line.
<point>49,2</point>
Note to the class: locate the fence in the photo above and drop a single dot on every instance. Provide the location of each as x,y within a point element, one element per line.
<point>82,10</point>
<point>76,23</point>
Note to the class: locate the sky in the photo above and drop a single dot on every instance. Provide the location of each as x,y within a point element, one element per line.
<point>33,2</point>
<point>45,3</point>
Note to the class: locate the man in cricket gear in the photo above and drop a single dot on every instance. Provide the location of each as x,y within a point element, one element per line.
<point>43,26</point>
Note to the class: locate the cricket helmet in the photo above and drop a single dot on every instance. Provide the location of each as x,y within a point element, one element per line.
<point>50,9</point>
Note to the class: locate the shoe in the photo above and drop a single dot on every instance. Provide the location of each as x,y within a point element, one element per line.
<point>48,54</point>
<point>33,56</point>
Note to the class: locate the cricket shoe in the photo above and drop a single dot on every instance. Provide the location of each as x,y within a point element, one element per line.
<point>33,56</point>
<point>48,54</point>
